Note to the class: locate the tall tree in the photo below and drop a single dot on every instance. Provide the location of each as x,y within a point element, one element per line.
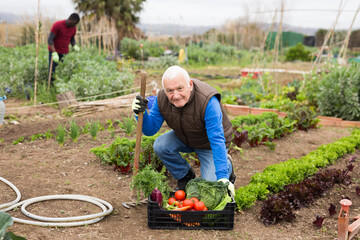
<point>122,12</point>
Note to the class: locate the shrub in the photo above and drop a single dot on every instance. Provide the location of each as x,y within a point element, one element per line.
<point>130,48</point>
<point>339,93</point>
<point>312,88</point>
<point>298,52</point>
<point>211,54</point>
<point>17,69</point>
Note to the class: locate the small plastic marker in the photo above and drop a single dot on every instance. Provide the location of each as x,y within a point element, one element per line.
<point>345,204</point>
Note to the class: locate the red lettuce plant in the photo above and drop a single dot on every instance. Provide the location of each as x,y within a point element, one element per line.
<point>280,206</point>
<point>319,221</point>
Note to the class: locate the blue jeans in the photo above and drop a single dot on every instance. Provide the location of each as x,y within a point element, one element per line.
<point>167,148</point>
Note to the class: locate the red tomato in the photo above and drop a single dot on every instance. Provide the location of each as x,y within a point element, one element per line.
<point>180,195</point>
<point>194,199</point>
<point>181,204</point>
<point>205,209</point>
<point>199,206</point>
<point>188,202</point>
<point>177,203</point>
<point>171,200</point>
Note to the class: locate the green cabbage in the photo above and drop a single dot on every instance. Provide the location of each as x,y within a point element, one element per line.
<point>211,193</point>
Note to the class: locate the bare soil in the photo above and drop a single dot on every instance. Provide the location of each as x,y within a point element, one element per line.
<point>43,167</point>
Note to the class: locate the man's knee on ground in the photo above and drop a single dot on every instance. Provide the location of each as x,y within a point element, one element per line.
<point>158,146</point>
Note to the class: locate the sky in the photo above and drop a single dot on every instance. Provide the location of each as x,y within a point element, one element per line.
<point>300,13</point>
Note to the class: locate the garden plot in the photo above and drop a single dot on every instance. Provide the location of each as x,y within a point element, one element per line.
<point>43,167</point>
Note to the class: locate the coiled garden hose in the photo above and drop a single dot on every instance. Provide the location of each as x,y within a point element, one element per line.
<point>106,207</point>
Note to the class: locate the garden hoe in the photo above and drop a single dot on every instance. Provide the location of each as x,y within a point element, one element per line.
<point>133,197</point>
<point>50,73</point>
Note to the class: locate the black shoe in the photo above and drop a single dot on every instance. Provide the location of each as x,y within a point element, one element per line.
<point>182,182</point>
<point>232,177</point>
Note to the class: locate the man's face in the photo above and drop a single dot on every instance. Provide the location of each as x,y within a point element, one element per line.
<point>71,23</point>
<point>178,90</point>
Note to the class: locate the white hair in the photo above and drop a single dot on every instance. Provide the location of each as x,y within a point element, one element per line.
<point>173,71</point>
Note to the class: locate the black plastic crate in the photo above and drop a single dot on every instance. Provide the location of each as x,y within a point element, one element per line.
<point>166,219</point>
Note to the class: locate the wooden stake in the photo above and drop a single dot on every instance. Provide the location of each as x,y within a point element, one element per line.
<point>277,45</point>
<point>342,53</point>
<point>50,73</point>
<point>328,36</point>
<point>37,50</point>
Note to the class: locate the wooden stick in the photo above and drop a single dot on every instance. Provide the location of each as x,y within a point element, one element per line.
<point>50,73</point>
<point>37,50</point>
<point>139,126</point>
<point>342,53</point>
<point>277,45</point>
<point>328,36</point>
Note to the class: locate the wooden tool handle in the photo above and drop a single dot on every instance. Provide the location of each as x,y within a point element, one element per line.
<point>139,125</point>
<point>50,73</point>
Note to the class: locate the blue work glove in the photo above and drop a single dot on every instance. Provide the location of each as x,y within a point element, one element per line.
<point>55,57</point>
<point>230,185</point>
<point>76,48</point>
<point>139,104</point>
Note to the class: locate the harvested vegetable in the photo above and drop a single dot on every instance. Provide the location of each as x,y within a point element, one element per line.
<point>177,217</point>
<point>199,206</point>
<point>211,193</point>
<point>223,203</point>
<point>188,202</point>
<point>180,195</point>
<point>171,201</point>
<point>182,208</point>
<point>156,196</point>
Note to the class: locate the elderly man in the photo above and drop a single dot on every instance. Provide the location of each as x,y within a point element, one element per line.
<point>192,109</point>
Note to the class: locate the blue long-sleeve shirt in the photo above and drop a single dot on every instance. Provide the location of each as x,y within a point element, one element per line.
<point>213,123</point>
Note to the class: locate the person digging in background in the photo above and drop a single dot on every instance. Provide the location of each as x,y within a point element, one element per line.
<point>199,123</point>
<point>62,33</point>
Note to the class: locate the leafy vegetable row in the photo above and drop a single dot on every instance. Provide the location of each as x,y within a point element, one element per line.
<point>280,206</point>
<point>86,73</point>
<point>261,129</point>
<point>276,176</point>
